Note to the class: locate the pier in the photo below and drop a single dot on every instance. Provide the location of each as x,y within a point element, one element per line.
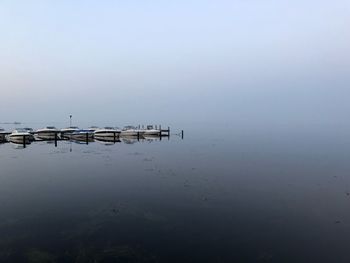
<point>58,136</point>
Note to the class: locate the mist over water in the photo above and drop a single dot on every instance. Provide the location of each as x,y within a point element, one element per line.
<point>193,61</point>
<point>225,194</point>
<point>260,89</point>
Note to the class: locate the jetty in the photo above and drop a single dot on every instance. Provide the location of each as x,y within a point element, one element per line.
<point>114,136</point>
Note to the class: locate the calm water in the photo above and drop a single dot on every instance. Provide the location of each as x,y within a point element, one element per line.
<point>219,195</point>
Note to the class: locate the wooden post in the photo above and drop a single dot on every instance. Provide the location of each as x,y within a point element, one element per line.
<point>182,134</point>
<point>24,141</point>
<point>87,138</point>
<point>114,137</point>
<point>138,136</point>
<point>55,139</point>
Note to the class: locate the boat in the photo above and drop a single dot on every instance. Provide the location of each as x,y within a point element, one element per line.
<point>131,131</point>
<point>3,134</point>
<point>150,131</point>
<point>107,133</point>
<point>69,130</point>
<point>19,136</point>
<point>93,128</point>
<point>47,133</point>
<point>31,132</point>
<point>82,134</point>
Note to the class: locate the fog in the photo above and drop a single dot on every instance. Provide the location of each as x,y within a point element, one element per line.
<point>267,63</point>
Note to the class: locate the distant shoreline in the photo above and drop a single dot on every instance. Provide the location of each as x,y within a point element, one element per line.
<point>15,122</point>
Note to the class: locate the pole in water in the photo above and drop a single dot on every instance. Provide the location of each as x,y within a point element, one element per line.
<point>138,136</point>
<point>114,137</point>
<point>182,134</point>
<point>70,120</point>
<point>87,138</point>
<point>24,141</point>
<point>55,139</point>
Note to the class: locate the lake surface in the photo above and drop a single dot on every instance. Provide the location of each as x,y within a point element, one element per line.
<point>219,195</point>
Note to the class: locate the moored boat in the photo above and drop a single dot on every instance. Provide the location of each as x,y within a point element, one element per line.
<point>131,131</point>
<point>3,134</point>
<point>67,132</point>
<point>107,132</point>
<point>82,134</point>
<point>47,133</point>
<point>20,136</point>
<point>151,131</point>
<point>93,128</point>
<point>31,132</point>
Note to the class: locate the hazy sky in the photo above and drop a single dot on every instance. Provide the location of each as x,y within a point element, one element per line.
<point>172,61</point>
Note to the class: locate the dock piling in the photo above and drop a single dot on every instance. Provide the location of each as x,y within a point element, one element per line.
<point>56,139</point>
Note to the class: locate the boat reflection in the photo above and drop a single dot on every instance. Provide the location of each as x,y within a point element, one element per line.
<point>17,145</point>
<point>107,140</point>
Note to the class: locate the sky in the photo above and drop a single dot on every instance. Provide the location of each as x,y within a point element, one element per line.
<point>172,62</point>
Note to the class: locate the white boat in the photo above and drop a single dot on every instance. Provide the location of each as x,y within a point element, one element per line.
<point>131,131</point>
<point>47,133</point>
<point>93,128</point>
<point>107,132</point>
<point>82,134</point>
<point>151,131</point>
<point>69,130</point>
<point>19,136</point>
<point>3,134</point>
<point>31,132</point>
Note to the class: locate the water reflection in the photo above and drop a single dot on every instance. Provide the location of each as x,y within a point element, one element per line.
<point>82,141</point>
<point>18,145</point>
<point>234,197</point>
